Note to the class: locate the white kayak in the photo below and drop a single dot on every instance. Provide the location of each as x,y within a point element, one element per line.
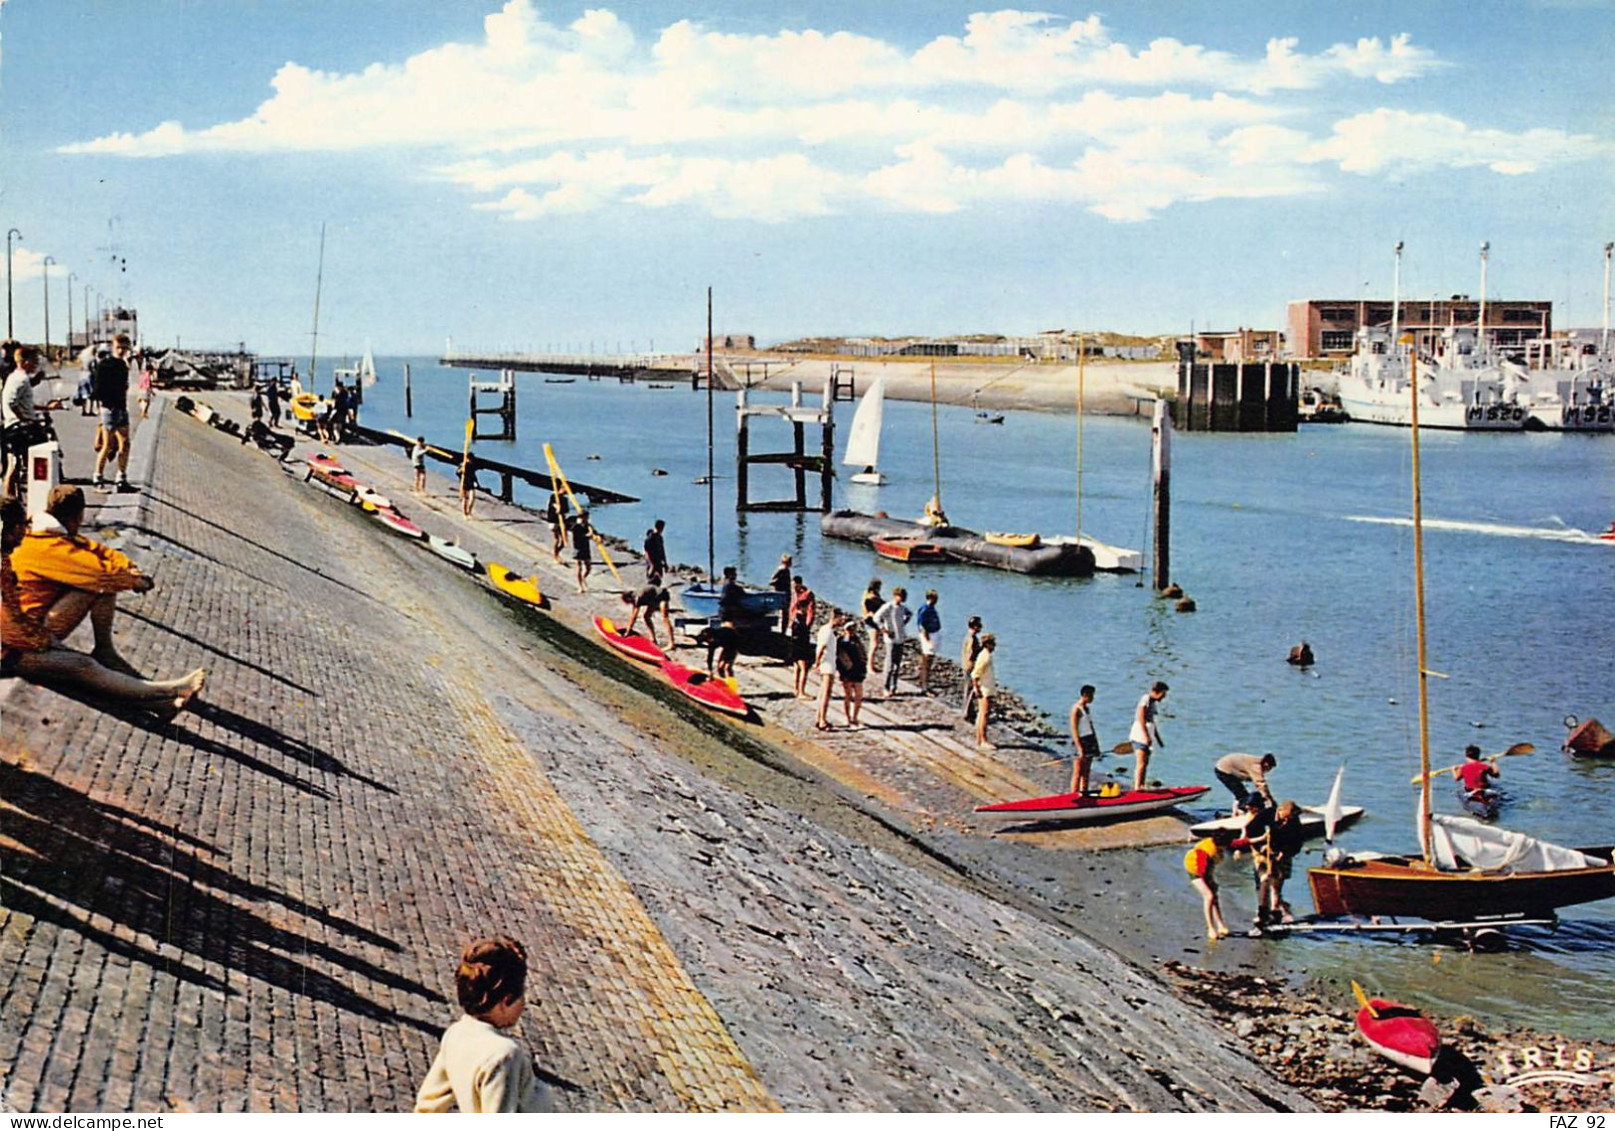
<point>1311,821</point>
<point>453,552</point>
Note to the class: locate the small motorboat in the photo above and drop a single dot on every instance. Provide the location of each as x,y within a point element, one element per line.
<point>1024,541</point>
<point>989,418</point>
<point>1608,535</point>
<point>900,549</point>
<point>1076,808</point>
<point>1399,1033</point>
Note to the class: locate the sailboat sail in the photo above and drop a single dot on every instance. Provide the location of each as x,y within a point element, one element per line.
<point>863,439</point>
<point>367,368</point>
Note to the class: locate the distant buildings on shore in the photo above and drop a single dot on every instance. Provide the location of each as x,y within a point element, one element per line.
<point>1327,328</point>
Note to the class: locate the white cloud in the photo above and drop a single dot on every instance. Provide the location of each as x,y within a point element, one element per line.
<point>538,118</point>
<point>1385,139</point>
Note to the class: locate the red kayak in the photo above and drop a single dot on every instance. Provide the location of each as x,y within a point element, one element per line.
<point>1399,1033</point>
<point>323,465</point>
<point>705,690</point>
<point>1079,807</point>
<point>397,523</point>
<point>630,644</point>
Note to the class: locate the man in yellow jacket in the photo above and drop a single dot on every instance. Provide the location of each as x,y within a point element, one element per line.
<point>63,576</point>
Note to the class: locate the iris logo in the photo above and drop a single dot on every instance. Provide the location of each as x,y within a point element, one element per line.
<point>1561,1064</point>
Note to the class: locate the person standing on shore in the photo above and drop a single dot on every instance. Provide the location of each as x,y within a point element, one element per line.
<point>853,668</point>
<point>968,651</point>
<point>800,618</point>
<point>583,548</point>
<point>655,549</point>
<point>1145,734</point>
<point>417,461</point>
<point>555,515</point>
<point>873,600</point>
<point>468,485</point>
<point>985,681</point>
<point>892,620</point>
<point>273,394</point>
<point>1087,741</point>
<point>731,596</point>
<point>780,582</point>
<point>143,390</point>
<point>824,659</point>
<point>929,622</point>
<point>111,380</point>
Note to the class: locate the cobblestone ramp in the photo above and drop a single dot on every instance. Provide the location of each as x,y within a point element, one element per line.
<point>259,906</point>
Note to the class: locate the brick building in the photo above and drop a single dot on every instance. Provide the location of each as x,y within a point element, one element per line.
<point>1318,328</point>
<point>1238,345</point>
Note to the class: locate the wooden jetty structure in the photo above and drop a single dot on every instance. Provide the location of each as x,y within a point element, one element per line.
<point>508,473</point>
<point>503,392</point>
<point>620,367</point>
<point>798,459</point>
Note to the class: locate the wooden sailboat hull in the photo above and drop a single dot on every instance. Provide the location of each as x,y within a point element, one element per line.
<point>908,549</point>
<point>1401,885</point>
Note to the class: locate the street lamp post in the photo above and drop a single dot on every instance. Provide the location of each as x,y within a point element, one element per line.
<point>87,289</point>
<point>70,277</point>
<point>10,333</point>
<point>49,259</point>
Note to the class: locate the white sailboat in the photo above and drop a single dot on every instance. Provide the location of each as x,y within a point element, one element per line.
<point>863,438</point>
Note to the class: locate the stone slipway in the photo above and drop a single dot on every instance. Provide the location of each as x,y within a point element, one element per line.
<point>258,907</point>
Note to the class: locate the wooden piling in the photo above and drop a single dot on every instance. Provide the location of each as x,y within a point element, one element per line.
<point>409,403</point>
<point>1161,491</point>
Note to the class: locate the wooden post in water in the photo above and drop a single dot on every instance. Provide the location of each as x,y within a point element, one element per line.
<point>1161,491</point>
<point>827,447</point>
<point>409,403</point>
<point>742,451</point>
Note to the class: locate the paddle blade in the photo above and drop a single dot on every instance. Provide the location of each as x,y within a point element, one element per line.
<point>1518,748</point>
<point>1331,808</point>
<point>1362,999</point>
<point>1122,748</point>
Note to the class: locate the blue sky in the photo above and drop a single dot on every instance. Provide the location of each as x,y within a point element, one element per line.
<point>540,175</point>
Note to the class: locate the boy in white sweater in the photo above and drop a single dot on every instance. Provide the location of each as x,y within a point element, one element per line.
<point>479,1068</point>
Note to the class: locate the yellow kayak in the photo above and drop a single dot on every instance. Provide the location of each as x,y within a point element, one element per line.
<point>524,588</point>
<point>1024,541</point>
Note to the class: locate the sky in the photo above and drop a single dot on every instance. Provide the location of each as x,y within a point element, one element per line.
<point>526,175</point>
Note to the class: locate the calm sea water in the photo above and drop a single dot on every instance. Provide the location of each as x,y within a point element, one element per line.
<point>1278,538</point>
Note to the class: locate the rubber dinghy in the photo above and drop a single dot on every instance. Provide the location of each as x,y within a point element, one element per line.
<point>522,588</point>
<point>1075,808</point>
<point>630,644</point>
<point>705,690</point>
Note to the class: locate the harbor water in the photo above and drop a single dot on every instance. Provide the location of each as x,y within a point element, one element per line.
<point>1278,538</point>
